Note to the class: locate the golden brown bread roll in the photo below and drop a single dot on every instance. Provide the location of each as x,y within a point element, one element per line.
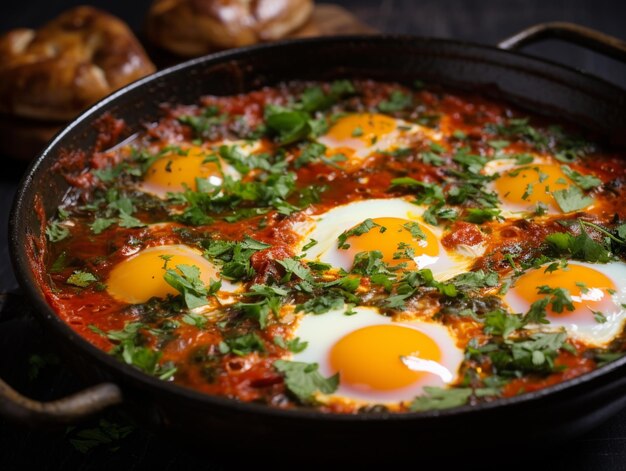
<point>196,27</point>
<point>71,62</point>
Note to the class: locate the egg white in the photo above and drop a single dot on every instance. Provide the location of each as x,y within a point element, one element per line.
<point>323,331</point>
<point>224,295</point>
<point>327,227</point>
<point>501,166</point>
<point>592,333</point>
<point>245,147</point>
<point>404,135</point>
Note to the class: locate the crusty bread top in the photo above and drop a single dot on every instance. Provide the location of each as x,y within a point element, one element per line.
<point>195,27</point>
<point>71,62</point>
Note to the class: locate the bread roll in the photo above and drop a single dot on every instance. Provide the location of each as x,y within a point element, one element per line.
<point>71,62</point>
<point>195,27</point>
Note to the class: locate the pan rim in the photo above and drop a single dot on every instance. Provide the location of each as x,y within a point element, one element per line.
<point>45,312</point>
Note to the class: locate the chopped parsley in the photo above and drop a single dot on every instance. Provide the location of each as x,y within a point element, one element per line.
<point>56,232</point>
<point>580,247</point>
<point>360,229</point>
<point>294,345</point>
<point>304,380</point>
<point>572,199</point>
<point>440,398</point>
<point>81,279</point>
<point>289,181</point>
<point>131,346</point>
<point>397,101</point>
<point>586,182</point>
<point>243,344</point>
<point>186,280</point>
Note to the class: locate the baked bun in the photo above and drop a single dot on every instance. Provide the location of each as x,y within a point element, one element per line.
<point>195,27</point>
<point>71,62</point>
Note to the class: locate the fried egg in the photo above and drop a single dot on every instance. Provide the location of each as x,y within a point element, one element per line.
<point>359,135</point>
<point>180,169</point>
<point>378,360</point>
<point>399,233</point>
<point>521,188</point>
<point>594,288</point>
<point>140,277</point>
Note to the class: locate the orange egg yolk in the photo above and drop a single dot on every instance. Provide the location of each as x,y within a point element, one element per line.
<point>370,357</point>
<point>140,277</point>
<point>172,172</point>
<point>358,133</point>
<point>392,237</point>
<point>525,187</point>
<point>589,289</point>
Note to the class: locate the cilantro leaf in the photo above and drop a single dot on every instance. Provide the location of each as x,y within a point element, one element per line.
<point>128,221</point>
<point>428,192</point>
<point>475,280</point>
<point>586,182</point>
<point>581,247</point>
<point>480,215</point>
<point>370,263</point>
<point>252,244</point>
<point>310,152</point>
<point>537,312</point>
<point>498,144</point>
<point>131,348</point>
<point>321,304</point>
<point>294,345</point>
<point>559,298</point>
<point>397,101</point>
<point>192,318</point>
<point>234,257</point>
<point>101,224</point>
<point>290,126</point>
<point>304,380</point>
<point>599,317</point>
<point>186,280</point>
<point>56,231</point>
<point>311,243</point>
<point>499,322</point>
<point>81,279</point>
<point>206,125</point>
<point>245,344</point>
<point>572,199</point>
<point>439,211</point>
<point>535,354</point>
<point>258,311</point>
<point>314,99</point>
<point>472,162</point>
<point>440,398</point>
<point>360,229</point>
<point>295,267</point>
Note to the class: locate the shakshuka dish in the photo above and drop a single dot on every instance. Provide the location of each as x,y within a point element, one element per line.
<point>351,247</point>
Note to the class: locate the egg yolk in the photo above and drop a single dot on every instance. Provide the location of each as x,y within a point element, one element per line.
<point>371,357</point>
<point>525,187</point>
<point>140,277</point>
<point>589,290</point>
<point>393,238</point>
<point>358,133</point>
<point>172,172</point>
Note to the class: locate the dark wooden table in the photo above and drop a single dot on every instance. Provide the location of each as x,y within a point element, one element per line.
<point>29,362</point>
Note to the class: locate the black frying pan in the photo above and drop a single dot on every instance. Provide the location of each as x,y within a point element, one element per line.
<point>560,411</point>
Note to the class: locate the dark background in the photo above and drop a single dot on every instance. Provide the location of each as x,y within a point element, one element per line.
<point>485,21</point>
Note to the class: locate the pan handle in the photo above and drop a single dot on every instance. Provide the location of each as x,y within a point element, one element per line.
<point>581,35</point>
<point>19,408</point>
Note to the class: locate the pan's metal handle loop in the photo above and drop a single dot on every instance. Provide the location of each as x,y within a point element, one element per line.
<point>19,408</point>
<point>581,35</point>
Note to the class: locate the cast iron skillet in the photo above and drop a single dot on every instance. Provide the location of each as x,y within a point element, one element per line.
<point>560,411</point>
